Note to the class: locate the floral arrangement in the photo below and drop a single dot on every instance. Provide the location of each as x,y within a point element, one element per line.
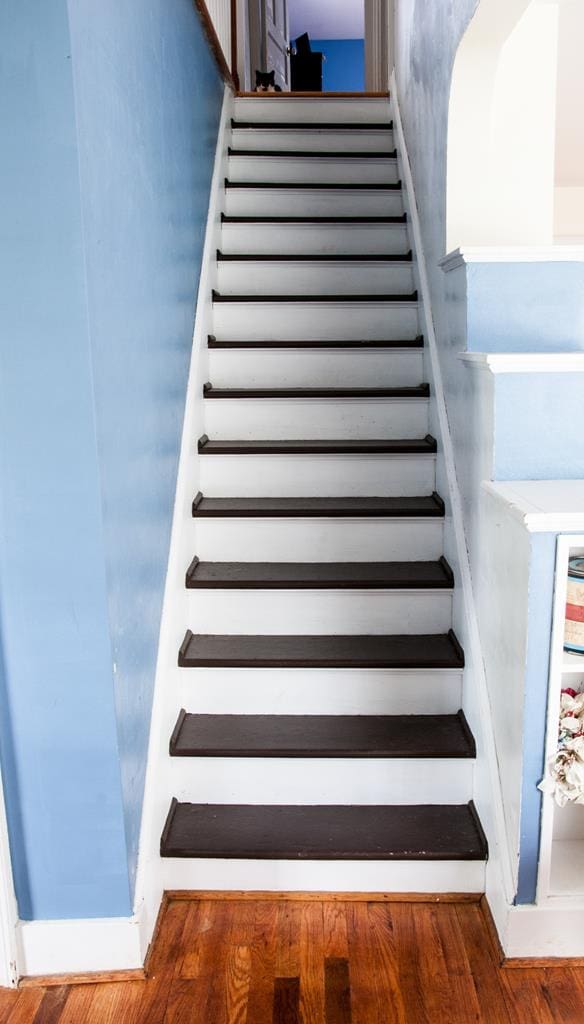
<point>565,776</point>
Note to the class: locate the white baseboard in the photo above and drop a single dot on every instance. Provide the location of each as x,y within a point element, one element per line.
<point>79,947</point>
<point>536,931</point>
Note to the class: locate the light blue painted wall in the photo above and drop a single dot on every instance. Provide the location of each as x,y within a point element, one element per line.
<point>344,67</point>
<point>538,427</point>
<point>525,307</point>
<point>59,742</point>
<point>111,112</point>
<point>148,99</point>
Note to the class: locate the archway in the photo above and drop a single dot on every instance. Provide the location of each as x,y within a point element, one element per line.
<point>502,122</point>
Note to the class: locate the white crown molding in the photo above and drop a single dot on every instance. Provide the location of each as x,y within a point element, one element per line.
<point>512,254</point>
<point>525,362</point>
<point>542,506</point>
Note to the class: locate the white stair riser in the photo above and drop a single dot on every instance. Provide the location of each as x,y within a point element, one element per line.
<point>304,239</point>
<point>265,368</point>
<point>329,140</point>
<point>324,876</point>
<point>252,418</point>
<point>314,475</point>
<point>254,321</point>
<point>279,278</point>
<point>317,540</point>
<point>326,691</point>
<point>257,202</point>
<point>247,612</point>
<point>353,110</point>
<point>309,169</point>
<point>321,780</point>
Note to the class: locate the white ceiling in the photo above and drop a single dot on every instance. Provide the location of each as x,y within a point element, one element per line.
<point>327,19</point>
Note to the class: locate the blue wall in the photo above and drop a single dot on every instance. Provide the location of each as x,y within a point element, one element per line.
<point>344,67</point>
<point>112,113</point>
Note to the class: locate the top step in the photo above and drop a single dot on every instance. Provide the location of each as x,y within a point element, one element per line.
<point>283,107</point>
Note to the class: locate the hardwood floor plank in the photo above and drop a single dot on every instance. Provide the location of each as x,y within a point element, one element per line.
<point>215,948</point>
<point>8,998</point>
<point>182,1001</point>
<point>336,942</point>
<point>52,1005</point>
<point>78,1002</point>
<point>166,955</point>
<point>409,963</point>
<point>237,984</point>
<point>337,991</point>
<point>364,1006</point>
<point>446,997</point>
<point>484,968</point>
<point>288,940</point>
<point>112,1003</point>
<point>385,955</point>
<point>260,998</point>
<point>312,994</point>
<point>25,1008</point>
<point>286,1001</point>
<point>547,995</point>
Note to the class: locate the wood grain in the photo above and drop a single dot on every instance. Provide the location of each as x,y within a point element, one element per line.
<point>321,960</point>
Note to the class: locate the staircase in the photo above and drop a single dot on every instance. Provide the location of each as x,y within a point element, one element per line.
<point>319,600</point>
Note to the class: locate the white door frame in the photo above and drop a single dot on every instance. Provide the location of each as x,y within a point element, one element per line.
<point>9,952</point>
<point>378,44</point>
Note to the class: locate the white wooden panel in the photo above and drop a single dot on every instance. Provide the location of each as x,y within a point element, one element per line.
<point>220,13</point>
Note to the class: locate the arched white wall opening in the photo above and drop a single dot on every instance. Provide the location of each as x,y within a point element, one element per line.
<point>502,126</point>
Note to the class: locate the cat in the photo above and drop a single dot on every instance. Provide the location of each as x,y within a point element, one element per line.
<point>266,82</point>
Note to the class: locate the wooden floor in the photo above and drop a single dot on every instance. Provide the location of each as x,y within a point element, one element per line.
<point>285,962</point>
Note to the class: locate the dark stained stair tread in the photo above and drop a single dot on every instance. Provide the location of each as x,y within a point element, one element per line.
<point>333,257</point>
<point>357,126</point>
<point>395,507</point>
<point>315,343</point>
<point>345,736</point>
<point>391,446</point>
<point>440,650</point>
<point>319,575</point>
<point>273,219</point>
<point>338,154</point>
<point>417,391</point>
<point>387,832</point>
<point>373,299</point>
<point>346,186</point>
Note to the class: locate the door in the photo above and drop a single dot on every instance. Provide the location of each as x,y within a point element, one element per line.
<point>269,40</point>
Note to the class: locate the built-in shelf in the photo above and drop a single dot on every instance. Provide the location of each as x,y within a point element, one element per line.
<point>573,663</point>
<point>561,873</point>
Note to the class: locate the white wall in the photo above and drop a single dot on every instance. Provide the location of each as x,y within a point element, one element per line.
<point>569,169</point>
<point>502,126</point>
<point>327,19</point>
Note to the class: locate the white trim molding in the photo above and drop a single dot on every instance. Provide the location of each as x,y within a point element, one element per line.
<point>79,947</point>
<point>525,362</point>
<point>543,506</point>
<point>512,254</point>
<point>500,872</point>
<point>9,949</point>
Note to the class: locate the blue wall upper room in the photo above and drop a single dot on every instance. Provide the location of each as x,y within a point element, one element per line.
<point>344,67</point>
<point>111,112</point>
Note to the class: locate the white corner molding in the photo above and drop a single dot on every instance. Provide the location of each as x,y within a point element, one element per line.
<point>499,867</point>
<point>79,947</point>
<point>524,362</point>
<point>512,254</point>
<point>9,949</point>
<point>542,506</point>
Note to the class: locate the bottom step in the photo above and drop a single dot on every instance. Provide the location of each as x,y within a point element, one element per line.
<point>342,832</point>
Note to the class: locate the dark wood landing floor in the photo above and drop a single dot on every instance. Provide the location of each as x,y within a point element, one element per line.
<point>297,962</point>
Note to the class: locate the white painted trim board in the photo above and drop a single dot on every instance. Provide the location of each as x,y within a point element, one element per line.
<point>512,254</point>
